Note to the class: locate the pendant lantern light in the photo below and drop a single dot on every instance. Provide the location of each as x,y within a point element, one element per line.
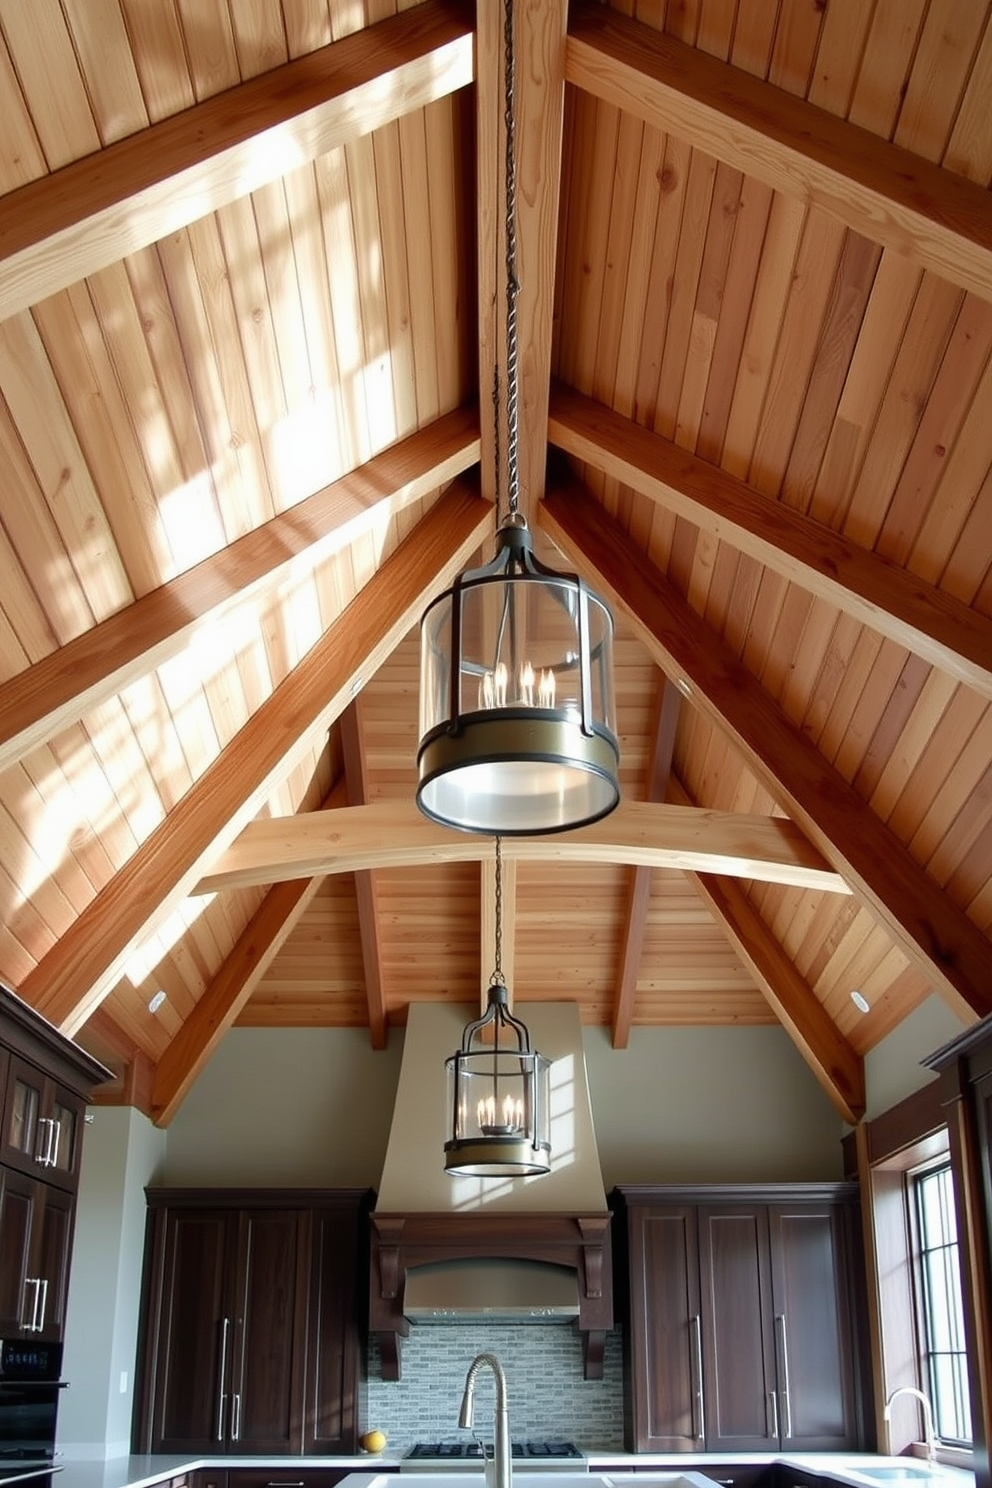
<point>517,717</point>
<point>498,1095</point>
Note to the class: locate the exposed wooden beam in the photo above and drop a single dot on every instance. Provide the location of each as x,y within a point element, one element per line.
<point>839,1070</point>
<point>639,885</point>
<point>83,965</point>
<point>939,938</point>
<point>369,930</point>
<point>830,1057</point>
<point>938,219</point>
<point>92,213</point>
<point>394,834</point>
<point>38,703</point>
<point>196,1042</point>
<point>892,600</point>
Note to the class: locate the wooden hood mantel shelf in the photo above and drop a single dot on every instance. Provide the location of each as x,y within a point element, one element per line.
<point>580,1242</point>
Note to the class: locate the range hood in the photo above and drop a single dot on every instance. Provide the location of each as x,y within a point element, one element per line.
<point>451,1249</point>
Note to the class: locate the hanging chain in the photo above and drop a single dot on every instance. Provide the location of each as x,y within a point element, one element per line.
<point>496,980</point>
<point>512,287</point>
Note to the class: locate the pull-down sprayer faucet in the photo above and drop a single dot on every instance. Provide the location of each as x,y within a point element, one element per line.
<point>927,1415</point>
<point>501,1423</point>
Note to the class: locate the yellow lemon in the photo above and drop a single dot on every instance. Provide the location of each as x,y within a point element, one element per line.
<point>373,1441</point>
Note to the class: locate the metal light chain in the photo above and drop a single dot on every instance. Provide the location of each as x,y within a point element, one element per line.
<point>512,287</point>
<point>496,980</point>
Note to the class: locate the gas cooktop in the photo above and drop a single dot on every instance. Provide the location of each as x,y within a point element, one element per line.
<point>543,1454</point>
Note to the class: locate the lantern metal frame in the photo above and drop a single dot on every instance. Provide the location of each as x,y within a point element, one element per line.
<point>499,1098</point>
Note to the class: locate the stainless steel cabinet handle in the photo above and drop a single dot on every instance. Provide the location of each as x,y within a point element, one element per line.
<point>221,1397</point>
<point>42,1305</point>
<point>698,1337</point>
<point>774,1400</point>
<point>298,1484</point>
<point>48,1123</point>
<point>53,1161</point>
<point>784,1381</point>
<point>236,1428</point>
<point>24,1323</point>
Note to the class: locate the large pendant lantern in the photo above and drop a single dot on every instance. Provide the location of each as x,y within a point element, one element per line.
<point>516,701</point>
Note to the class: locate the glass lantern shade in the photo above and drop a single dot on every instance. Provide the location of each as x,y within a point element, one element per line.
<point>517,713</point>
<point>499,1101</point>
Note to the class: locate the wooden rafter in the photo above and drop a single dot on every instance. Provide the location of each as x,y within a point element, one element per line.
<point>839,1070</point>
<point>639,885</point>
<point>889,195</point>
<point>393,834</point>
<point>38,703</point>
<point>891,600</point>
<point>939,938</point>
<point>357,794</point>
<point>91,213</point>
<point>197,1040</point>
<point>84,964</point>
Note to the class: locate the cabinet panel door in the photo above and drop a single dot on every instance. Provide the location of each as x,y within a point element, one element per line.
<point>192,1374</point>
<point>814,1327</point>
<point>269,1323</point>
<point>738,1343</point>
<point>35,1242</point>
<point>332,1377</point>
<point>18,1200</point>
<point>42,1125</point>
<point>665,1333</point>
<point>51,1249</point>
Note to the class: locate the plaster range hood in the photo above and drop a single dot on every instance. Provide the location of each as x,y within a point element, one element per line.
<point>447,1249</point>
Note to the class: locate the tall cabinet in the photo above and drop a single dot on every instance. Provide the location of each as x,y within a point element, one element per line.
<point>251,1321</point>
<point>45,1082</point>
<point>745,1318</point>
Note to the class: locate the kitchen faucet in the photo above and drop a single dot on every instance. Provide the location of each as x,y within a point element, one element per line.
<point>501,1433</point>
<point>927,1415</point>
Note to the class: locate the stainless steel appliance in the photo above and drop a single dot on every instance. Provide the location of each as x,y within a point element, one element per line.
<point>30,1387</point>
<point>463,1456</point>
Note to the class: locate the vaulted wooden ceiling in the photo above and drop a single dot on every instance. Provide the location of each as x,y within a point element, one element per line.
<point>251,279</point>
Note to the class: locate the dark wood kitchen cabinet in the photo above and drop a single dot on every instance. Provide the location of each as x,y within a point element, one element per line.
<point>45,1082</point>
<point>745,1319</point>
<point>250,1328</point>
<point>36,1223</point>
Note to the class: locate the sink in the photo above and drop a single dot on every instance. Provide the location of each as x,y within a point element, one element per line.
<point>526,1478</point>
<point>909,1470</point>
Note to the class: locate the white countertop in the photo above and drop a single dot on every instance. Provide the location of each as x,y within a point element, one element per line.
<point>625,1469</point>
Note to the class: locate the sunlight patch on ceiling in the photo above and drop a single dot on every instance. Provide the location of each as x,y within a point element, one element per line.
<point>146,957</point>
<point>191,522</point>
<point>306,448</point>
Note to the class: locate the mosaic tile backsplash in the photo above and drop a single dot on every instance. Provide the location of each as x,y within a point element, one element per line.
<point>548,1397</point>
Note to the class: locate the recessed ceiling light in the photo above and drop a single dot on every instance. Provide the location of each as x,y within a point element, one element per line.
<point>156,1002</point>
<point>860,1002</point>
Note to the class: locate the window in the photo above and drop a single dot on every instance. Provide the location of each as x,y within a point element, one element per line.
<point>942,1324</point>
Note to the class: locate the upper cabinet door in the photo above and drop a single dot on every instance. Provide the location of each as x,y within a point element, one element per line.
<point>42,1125</point>
<point>269,1356</point>
<point>817,1363</point>
<point>665,1343</point>
<point>743,1410</point>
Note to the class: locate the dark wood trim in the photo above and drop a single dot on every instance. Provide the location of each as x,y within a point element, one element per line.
<point>27,1033</point>
<point>918,1118</point>
<point>401,1241</point>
